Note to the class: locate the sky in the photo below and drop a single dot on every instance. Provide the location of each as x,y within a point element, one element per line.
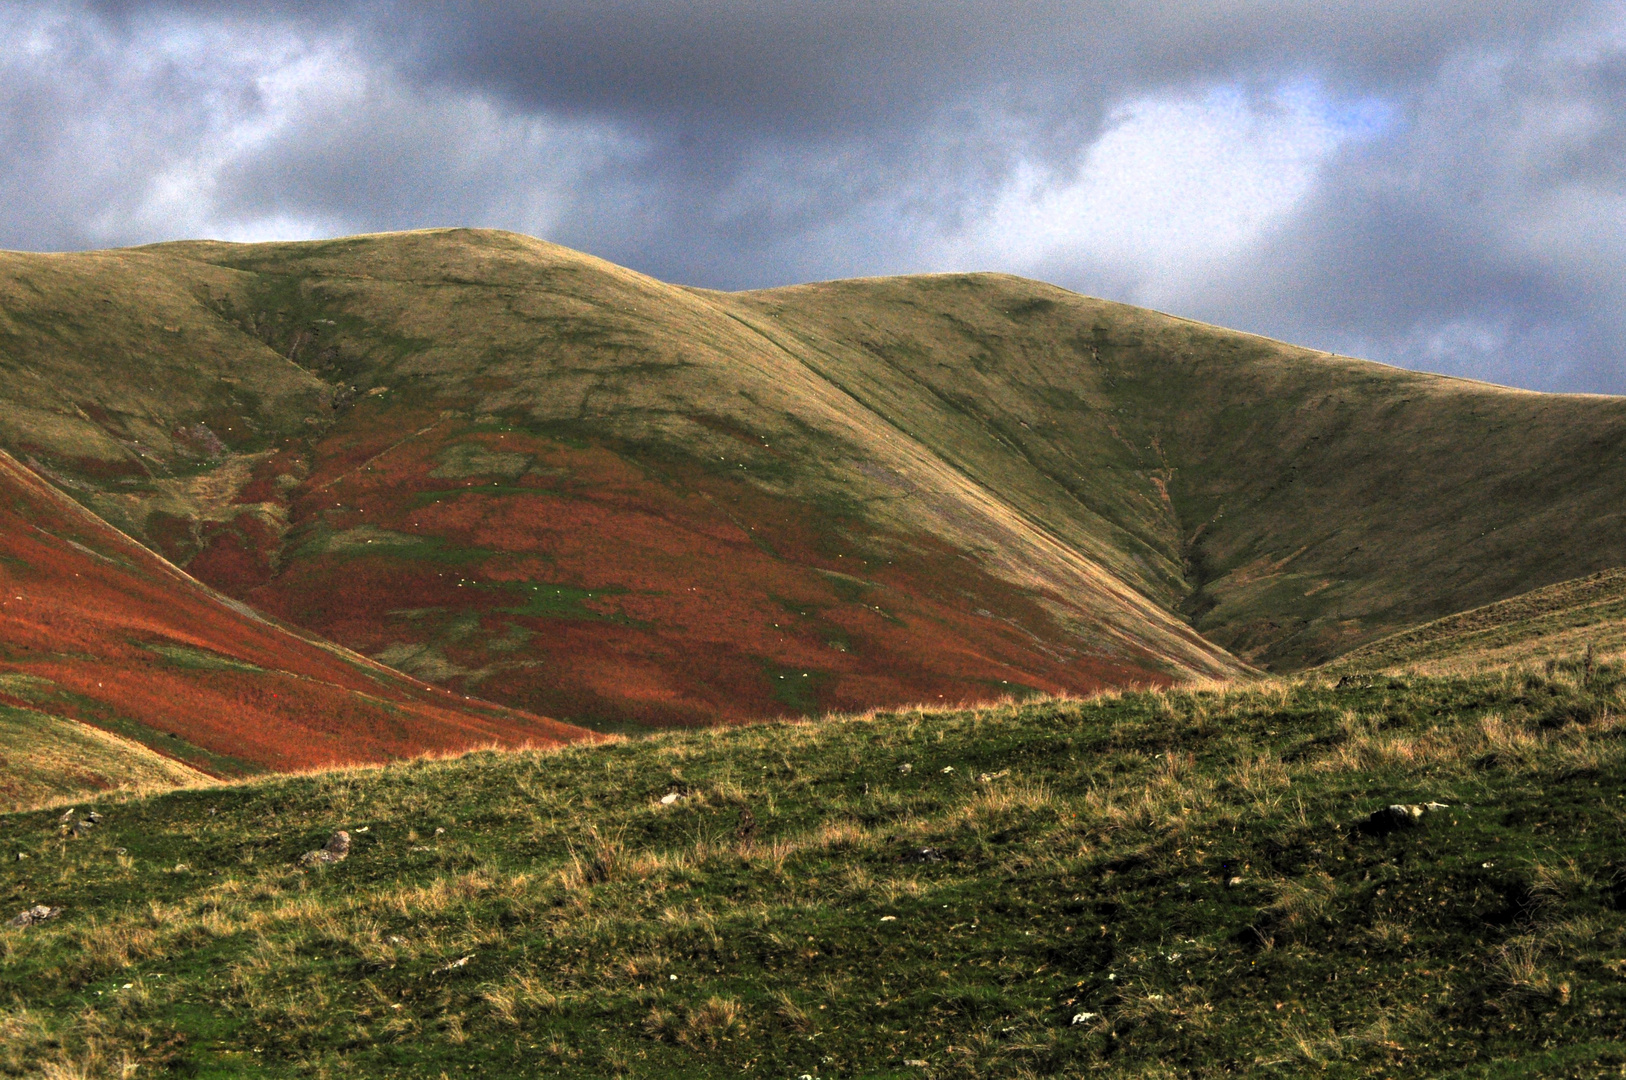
<point>1439,185</point>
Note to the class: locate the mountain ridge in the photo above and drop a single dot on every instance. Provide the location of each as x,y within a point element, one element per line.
<point>1046,491</point>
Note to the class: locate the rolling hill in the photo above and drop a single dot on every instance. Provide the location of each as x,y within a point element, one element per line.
<point>1195,883</point>
<point>406,473</point>
<point>518,471</point>
<point>1546,625</point>
<point>115,668</point>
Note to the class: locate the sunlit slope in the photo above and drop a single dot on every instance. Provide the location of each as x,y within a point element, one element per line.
<point>1199,882</point>
<point>524,472</point>
<point>44,758</point>
<point>583,491</point>
<point>95,628</point>
<point>1293,504</point>
<point>1558,622</point>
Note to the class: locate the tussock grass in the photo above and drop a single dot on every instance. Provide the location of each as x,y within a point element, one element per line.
<point>1143,884</point>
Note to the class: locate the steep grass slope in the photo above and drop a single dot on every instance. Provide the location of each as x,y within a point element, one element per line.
<point>95,628</point>
<point>517,470</point>
<point>45,758</point>
<point>1183,883</point>
<point>1293,504</point>
<point>510,467</point>
<point>1541,626</point>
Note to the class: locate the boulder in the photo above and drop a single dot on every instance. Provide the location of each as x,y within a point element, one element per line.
<point>1398,816</point>
<point>337,850</point>
<point>35,915</point>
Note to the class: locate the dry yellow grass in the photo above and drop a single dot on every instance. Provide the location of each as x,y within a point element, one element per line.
<point>49,761</point>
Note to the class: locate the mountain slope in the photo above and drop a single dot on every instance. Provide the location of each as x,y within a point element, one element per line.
<point>1293,503</point>
<point>95,628</point>
<point>574,488</point>
<point>514,469</point>
<point>1558,622</point>
<point>44,758</point>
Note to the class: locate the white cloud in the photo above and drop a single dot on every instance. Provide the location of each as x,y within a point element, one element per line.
<point>1175,185</point>
<point>190,129</point>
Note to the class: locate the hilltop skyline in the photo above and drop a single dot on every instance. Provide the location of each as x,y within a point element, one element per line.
<point>1434,186</point>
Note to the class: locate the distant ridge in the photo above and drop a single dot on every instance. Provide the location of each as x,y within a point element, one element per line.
<point>525,473</point>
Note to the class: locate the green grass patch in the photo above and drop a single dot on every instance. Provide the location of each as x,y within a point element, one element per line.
<point>198,659</point>
<point>1185,881</point>
<point>543,600</point>
<point>372,540</point>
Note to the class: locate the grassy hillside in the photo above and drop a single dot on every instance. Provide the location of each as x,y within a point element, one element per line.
<point>516,470</point>
<point>45,759</point>
<point>566,485</point>
<point>97,629</point>
<point>1295,504</point>
<point>1176,883</point>
<point>1544,625</point>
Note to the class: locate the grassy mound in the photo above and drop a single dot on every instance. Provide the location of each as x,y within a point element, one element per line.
<point>1539,626</point>
<point>1196,882</point>
<point>45,759</point>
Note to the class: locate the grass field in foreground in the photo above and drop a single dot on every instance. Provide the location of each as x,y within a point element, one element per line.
<point>1151,884</point>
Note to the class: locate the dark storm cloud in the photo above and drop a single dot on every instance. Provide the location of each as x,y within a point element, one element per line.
<point>1438,184</point>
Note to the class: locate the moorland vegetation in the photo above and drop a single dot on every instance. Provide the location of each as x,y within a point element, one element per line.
<point>540,479</point>
<point>1195,882</point>
<point>1133,697</point>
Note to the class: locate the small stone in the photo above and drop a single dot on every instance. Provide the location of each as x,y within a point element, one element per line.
<point>337,850</point>
<point>889,918</point>
<point>1084,1017</point>
<point>1397,816</point>
<point>1233,883</point>
<point>94,818</point>
<point>67,816</point>
<point>440,832</point>
<point>906,768</point>
<point>669,798</point>
<point>35,915</point>
<point>948,768</point>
